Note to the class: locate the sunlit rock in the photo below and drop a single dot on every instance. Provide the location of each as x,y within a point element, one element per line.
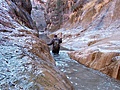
<point>25,60</point>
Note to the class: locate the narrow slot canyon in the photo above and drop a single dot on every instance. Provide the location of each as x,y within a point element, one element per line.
<point>89,56</point>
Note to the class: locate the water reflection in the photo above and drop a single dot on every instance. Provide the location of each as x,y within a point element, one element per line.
<point>84,78</point>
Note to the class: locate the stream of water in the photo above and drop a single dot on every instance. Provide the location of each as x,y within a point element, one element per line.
<point>84,78</point>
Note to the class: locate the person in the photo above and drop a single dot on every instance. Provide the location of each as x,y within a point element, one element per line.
<point>56,44</point>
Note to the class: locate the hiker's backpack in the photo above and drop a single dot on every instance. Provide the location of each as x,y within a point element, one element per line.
<point>56,43</point>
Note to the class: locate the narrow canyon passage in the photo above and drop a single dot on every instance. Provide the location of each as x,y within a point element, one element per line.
<point>91,27</point>
<point>84,78</point>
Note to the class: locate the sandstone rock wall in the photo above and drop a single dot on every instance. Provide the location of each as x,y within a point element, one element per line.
<point>38,14</point>
<point>25,60</point>
<point>101,30</point>
<point>21,11</point>
<point>62,12</point>
<point>93,31</point>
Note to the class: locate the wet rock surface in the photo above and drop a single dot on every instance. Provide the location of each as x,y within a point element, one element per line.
<point>25,60</point>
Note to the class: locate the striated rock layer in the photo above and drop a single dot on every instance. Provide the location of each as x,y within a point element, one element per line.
<point>25,60</point>
<point>93,31</point>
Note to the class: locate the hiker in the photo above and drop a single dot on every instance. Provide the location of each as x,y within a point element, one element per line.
<point>56,44</point>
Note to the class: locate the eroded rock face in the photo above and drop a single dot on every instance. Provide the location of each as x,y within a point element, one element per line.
<point>93,31</point>
<point>103,56</point>
<point>25,60</point>
<point>57,13</point>
<point>21,11</point>
<point>38,14</point>
<point>62,12</point>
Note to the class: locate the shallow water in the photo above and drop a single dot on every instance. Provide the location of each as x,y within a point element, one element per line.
<point>84,78</point>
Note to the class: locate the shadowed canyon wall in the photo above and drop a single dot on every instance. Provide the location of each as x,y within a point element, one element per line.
<point>93,31</point>
<point>38,14</point>
<point>25,60</point>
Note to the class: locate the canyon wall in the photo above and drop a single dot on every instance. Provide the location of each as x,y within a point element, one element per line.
<point>92,31</point>
<point>26,63</point>
<point>38,14</point>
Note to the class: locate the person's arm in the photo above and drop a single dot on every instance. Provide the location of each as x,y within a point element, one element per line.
<point>60,40</point>
<point>50,43</point>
